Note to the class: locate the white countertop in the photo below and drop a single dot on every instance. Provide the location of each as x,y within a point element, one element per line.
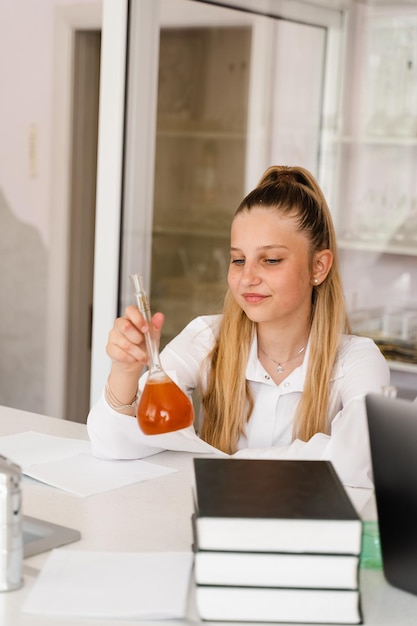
<point>148,516</point>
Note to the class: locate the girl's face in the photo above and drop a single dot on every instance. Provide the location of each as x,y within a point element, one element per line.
<point>270,275</point>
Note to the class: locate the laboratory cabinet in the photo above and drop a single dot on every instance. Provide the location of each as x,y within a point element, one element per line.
<point>199,166</point>
<point>215,94</point>
<point>226,104</point>
<point>375,196</point>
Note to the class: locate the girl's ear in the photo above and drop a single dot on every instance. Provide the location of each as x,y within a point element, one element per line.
<point>322,263</point>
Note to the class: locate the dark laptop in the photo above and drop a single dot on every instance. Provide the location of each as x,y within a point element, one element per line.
<point>393,437</point>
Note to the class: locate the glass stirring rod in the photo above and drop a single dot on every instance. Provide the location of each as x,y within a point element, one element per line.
<point>163,406</point>
<point>145,309</point>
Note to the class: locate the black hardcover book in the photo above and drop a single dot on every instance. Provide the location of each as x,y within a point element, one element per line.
<point>273,505</point>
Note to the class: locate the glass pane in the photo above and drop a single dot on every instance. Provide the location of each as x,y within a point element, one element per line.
<point>199,166</point>
<point>229,104</point>
<point>377,208</point>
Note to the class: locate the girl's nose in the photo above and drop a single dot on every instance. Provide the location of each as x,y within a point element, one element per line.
<point>250,274</point>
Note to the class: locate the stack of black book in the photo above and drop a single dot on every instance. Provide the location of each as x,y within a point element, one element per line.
<point>275,541</point>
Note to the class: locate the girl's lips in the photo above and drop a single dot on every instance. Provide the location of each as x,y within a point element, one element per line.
<point>253,298</point>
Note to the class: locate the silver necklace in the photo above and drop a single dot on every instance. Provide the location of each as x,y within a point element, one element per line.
<point>280,364</point>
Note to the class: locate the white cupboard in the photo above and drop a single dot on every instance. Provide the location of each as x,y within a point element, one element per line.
<point>215,94</point>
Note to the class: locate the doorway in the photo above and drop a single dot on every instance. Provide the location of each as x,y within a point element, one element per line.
<point>77,71</point>
<point>85,107</point>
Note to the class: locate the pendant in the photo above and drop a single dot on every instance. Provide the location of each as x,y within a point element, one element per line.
<point>280,369</point>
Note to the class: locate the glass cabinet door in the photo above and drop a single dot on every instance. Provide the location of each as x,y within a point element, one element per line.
<point>228,102</point>
<point>215,95</point>
<point>376,156</point>
<point>199,166</point>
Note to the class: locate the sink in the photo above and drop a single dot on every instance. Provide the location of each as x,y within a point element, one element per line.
<point>41,536</point>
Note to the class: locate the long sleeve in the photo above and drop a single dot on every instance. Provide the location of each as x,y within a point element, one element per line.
<point>360,369</point>
<point>347,447</point>
<point>117,436</point>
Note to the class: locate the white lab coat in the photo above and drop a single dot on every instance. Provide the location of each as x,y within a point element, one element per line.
<point>360,369</point>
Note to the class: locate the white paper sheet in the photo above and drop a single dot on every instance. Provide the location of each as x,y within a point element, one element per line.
<point>30,447</point>
<point>84,475</point>
<point>69,465</point>
<point>114,585</point>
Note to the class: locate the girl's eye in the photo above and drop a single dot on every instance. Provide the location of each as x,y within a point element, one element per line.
<point>266,261</point>
<point>273,261</point>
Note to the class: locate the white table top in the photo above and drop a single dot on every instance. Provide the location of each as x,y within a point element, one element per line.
<point>153,515</point>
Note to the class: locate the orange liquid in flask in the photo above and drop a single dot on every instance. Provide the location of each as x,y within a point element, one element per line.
<point>163,407</point>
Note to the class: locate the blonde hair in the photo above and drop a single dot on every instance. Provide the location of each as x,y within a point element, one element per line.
<point>227,400</point>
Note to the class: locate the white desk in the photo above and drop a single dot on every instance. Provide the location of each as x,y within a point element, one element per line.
<point>154,515</point>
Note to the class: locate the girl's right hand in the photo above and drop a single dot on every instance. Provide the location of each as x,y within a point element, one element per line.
<point>126,345</point>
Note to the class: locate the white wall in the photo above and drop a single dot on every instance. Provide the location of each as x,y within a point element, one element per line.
<point>27,162</point>
<point>26,107</point>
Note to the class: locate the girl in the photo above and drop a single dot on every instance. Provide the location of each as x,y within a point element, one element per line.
<point>279,374</point>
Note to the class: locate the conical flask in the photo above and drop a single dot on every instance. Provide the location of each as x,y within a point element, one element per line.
<point>163,406</point>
